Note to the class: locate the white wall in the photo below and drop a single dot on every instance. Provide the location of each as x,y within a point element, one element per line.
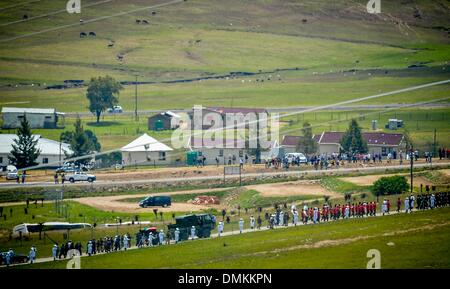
<point>36,120</point>
<point>145,158</point>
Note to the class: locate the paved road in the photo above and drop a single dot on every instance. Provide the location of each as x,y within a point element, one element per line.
<point>280,173</point>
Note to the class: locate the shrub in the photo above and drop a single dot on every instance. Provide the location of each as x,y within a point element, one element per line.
<point>390,185</point>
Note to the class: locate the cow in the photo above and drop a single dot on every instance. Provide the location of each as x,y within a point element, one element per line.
<point>153,12</point>
<point>92,34</point>
<point>304,20</point>
<point>82,34</point>
<point>25,17</point>
<point>110,45</point>
<point>144,21</point>
<point>120,57</point>
<point>138,21</point>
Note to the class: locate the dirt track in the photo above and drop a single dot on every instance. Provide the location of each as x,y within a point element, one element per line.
<point>370,179</point>
<point>297,188</point>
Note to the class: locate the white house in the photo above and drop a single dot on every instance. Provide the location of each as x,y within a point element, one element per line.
<point>51,152</point>
<point>37,117</point>
<point>146,150</point>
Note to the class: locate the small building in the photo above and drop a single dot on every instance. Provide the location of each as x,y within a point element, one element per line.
<point>51,152</point>
<point>164,121</point>
<point>290,143</point>
<point>145,150</point>
<point>37,117</point>
<point>329,142</point>
<point>225,151</point>
<point>224,113</point>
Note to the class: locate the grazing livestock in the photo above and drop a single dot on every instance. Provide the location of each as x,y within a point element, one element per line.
<point>138,21</point>
<point>110,45</point>
<point>304,20</point>
<point>153,12</point>
<point>144,21</point>
<point>25,17</point>
<point>92,34</point>
<point>120,57</point>
<point>82,34</point>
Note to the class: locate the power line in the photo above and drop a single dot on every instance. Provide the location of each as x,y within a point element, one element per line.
<point>90,21</point>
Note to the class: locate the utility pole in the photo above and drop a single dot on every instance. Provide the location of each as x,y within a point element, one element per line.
<point>136,117</point>
<point>434,144</point>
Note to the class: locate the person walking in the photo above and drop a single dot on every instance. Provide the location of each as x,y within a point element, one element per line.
<point>220,228</point>
<point>32,254</point>
<point>177,235</point>
<point>192,232</point>
<point>252,222</point>
<point>241,226</point>
<point>55,252</point>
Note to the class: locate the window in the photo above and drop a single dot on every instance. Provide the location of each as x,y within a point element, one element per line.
<point>241,154</point>
<point>162,156</point>
<point>48,117</point>
<point>220,153</point>
<point>45,160</point>
<point>1,160</point>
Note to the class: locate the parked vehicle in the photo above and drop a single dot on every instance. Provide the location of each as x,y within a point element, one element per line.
<point>115,109</point>
<point>204,224</point>
<point>156,201</point>
<point>16,259</point>
<point>80,177</point>
<point>292,156</point>
<point>10,172</point>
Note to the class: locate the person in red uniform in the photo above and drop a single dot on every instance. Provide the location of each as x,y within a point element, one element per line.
<point>399,204</point>
<point>388,205</point>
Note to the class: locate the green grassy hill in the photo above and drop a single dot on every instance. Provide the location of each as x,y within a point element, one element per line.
<point>401,240</point>
<point>299,53</point>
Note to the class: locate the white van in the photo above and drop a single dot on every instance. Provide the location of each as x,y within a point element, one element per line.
<point>292,156</point>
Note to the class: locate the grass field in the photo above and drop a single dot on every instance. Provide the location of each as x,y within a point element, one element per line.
<point>401,240</point>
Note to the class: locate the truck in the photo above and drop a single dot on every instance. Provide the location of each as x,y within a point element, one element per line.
<point>204,224</point>
<point>80,176</point>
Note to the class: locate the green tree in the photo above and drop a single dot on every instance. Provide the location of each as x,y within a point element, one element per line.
<point>24,153</point>
<point>352,140</point>
<point>390,185</point>
<point>82,142</point>
<point>306,143</point>
<point>102,94</point>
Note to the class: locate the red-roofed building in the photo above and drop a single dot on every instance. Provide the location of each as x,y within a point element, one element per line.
<point>329,142</point>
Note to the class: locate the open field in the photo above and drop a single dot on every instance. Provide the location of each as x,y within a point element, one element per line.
<point>344,244</point>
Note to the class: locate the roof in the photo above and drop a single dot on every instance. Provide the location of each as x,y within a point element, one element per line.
<point>145,143</point>
<point>242,110</point>
<point>28,110</point>
<point>290,140</point>
<point>224,143</point>
<point>377,138</point>
<point>334,137</point>
<point>46,146</point>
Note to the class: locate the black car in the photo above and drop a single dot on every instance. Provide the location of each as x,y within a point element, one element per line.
<point>156,201</point>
